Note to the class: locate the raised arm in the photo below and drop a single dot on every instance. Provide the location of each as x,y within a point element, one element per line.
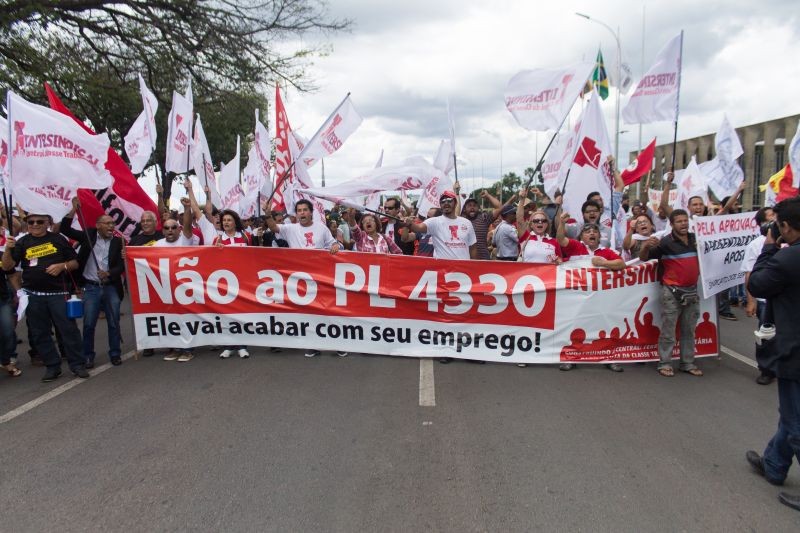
<point>187,217</point>
<point>664,205</point>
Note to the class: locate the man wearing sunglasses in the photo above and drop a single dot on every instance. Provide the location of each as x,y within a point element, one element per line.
<point>453,236</point>
<point>47,259</point>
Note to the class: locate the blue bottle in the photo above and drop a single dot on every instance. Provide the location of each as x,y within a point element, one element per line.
<point>74,307</point>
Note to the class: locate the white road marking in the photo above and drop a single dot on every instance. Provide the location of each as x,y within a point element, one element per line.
<point>24,408</point>
<point>427,391</point>
<point>736,355</point>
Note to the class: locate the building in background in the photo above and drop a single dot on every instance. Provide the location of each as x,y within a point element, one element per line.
<point>765,145</point>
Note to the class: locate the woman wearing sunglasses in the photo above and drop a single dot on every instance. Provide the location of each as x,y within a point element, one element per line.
<point>536,245</point>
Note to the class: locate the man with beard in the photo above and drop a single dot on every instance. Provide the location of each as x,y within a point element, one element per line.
<point>453,236</point>
<point>677,255</point>
<point>481,220</point>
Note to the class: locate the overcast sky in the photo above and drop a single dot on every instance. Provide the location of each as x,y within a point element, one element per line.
<point>402,60</point>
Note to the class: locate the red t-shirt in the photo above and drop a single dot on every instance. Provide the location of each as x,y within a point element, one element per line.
<point>576,249</point>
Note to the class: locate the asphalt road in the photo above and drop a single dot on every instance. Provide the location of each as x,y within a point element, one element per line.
<point>279,442</point>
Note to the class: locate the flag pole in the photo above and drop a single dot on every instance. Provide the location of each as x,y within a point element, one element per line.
<point>79,212</point>
<point>677,107</point>
<point>539,165</point>
<point>7,199</point>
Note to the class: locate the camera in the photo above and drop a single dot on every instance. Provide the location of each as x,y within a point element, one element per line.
<point>774,230</point>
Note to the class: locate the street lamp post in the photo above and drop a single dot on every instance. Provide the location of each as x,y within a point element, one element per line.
<point>619,75</point>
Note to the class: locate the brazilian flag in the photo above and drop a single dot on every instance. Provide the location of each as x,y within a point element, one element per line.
<point>599,78</point>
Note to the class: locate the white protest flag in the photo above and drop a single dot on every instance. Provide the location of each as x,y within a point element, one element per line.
<point>373,201</point>
<point>656,97</point>
<point>690,182</point>
<point>250,184</point>
<point>589,169</point>
<point>263,148</point>
<point>141,138</point>
<point>53,200</point>
<point>407,177</point>
<point>202,164</point>
<point>334,131</point>
<point>723,174</point>
<point>301,181</point>
<point>229,188</point>
<point>49,148</point>
<point>444,158</point>
<point>137,144</point>
<point>179,132</point>
<point>556,164</point>
<point>540,99</point>
<point>438,184</point>
<point>794,157</point>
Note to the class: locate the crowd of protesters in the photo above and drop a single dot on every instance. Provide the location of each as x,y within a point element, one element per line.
<point>47,261</point>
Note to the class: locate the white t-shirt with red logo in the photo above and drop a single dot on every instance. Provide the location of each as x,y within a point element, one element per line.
<point>314,236</point>
<point>451,237</point>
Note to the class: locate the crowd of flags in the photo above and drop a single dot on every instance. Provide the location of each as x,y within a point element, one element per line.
<point>47,155</point>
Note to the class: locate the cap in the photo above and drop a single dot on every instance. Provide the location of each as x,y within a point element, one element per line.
<point>507,210</point>
<point>468,200</point>
<point>448,194</point>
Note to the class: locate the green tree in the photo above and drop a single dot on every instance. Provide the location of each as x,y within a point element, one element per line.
<point>92,50</point>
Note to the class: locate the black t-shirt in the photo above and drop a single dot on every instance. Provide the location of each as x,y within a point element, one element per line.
<point>145,240</point>
<point>35,254</point>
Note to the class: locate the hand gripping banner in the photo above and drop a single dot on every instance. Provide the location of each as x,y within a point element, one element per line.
<point>396,305</point>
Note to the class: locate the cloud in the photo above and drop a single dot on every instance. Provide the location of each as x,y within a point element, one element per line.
<point>403,60</point>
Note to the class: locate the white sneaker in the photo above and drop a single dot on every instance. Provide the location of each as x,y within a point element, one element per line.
<point>243,353</point>
<point>312,353</point>
<point>341,354</point>
<point>185,357</point>
<point>225,354</point>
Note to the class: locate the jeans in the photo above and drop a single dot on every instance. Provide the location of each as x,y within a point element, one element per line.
<point>723,303</point>
<point>45,312</point>
<point>8,339</point>
<point>786,443</point>
<point>95,298</point>
<point>672,313</point>
<point>737,294</point>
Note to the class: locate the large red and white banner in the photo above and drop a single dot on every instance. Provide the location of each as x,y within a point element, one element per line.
<point>396,305</point>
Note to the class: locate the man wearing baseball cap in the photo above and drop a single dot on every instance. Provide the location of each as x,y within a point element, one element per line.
<point>505,236</point>
<point>453,236</point>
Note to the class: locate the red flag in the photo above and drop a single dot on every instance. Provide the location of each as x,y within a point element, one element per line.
<point>283,157</point>
<point>639,166</point>
<point>124,201</point>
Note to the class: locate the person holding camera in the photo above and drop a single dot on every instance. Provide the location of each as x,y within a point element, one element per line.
<point>775,278</point>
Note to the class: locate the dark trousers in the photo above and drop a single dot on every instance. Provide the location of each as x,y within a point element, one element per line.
<point>45,312</point>
<point>761,351</point>
<point>785,444</point>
